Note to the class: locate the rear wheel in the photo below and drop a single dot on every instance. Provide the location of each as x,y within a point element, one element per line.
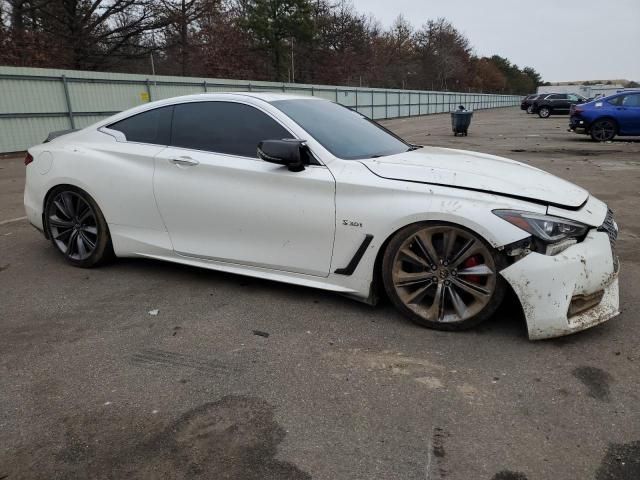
<point>77,227</point>
<point>603,130</point>
<point>442,276</point>
<point>544,112</point>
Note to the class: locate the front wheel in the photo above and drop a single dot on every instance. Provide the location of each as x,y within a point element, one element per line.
<point>544,112</point>
<point>77,227</point>
<point>443,276</point>
<point>530,109</point>
<point>603,130</point>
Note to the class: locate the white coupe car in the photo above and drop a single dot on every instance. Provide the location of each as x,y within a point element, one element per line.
<point>305,191</point>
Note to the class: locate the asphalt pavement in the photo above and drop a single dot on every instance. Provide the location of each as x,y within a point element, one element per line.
<point>238,378</point>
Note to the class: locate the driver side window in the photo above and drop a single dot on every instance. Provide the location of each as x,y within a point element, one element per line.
<point>223,127</point>
<point>631,100</point>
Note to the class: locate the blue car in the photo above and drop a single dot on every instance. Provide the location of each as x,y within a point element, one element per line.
<point>606,117</point>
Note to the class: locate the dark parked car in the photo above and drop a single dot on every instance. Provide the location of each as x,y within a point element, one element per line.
<point>527,102</point>
<point>556,104</point>
<point>604,118</point>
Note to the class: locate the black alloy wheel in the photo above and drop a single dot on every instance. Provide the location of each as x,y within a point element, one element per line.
<point>77,227</point>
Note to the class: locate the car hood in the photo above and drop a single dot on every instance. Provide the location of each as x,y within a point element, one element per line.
<point>479,172</point>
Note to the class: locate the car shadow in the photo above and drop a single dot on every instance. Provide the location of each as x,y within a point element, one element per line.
<point>586,139</point>
<point>508,321</point>
<point>208,277</point>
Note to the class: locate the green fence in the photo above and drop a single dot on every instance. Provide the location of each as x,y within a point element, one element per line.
<point>34,101</point>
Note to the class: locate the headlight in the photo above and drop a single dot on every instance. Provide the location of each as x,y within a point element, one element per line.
<point>544,227</point>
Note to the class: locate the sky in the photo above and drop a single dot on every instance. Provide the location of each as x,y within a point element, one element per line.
<point>563,40</point>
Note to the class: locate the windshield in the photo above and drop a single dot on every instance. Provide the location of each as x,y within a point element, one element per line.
<point>345,133</point>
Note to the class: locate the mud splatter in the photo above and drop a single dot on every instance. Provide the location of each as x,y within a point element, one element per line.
<point>596,380</point>
<point>621,462</point>
<point>235,437</point>
<point>509,475</point>
<point>436,463</point>
<point>438,442</point>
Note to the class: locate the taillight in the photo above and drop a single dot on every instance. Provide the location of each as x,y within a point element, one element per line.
<point>28,159</point>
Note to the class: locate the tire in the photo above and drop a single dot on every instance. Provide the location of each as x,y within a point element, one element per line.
<point>603,130</point>
<point>77,228</point>
<point>424,279</point>
<point>544,112</point>
<point>530,109</point>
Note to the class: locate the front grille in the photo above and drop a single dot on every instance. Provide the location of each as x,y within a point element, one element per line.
<point>611,228</point>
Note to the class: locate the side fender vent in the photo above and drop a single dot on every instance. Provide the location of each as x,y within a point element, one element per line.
<point>353,264</point>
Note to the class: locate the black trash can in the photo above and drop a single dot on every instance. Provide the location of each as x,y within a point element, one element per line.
<point>460,121</point>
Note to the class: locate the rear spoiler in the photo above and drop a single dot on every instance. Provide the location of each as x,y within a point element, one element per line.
<point>59,133</point>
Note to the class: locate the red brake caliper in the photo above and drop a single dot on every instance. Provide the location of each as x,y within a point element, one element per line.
<point>472,262</point>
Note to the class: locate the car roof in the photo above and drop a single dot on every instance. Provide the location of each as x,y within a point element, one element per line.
<point>267,97</point>
<point>264,96</point>
<point>617,94</point>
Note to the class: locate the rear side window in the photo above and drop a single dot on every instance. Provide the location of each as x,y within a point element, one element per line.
<point>153,126</point>
<point>223,127</point>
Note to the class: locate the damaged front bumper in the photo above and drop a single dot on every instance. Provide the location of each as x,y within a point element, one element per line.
<point>568,292</point>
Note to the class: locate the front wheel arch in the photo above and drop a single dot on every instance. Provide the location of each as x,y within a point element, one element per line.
<point>474,310</point>
<point>377,287</point>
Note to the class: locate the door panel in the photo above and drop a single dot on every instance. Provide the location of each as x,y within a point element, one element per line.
<point>628,114</point>
<point>562,104</point>
<point>246,211</point>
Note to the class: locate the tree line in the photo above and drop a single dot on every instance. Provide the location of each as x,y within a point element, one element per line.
<point>305,41</point>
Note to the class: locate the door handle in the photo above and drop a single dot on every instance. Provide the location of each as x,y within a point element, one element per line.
<point>184,161</point>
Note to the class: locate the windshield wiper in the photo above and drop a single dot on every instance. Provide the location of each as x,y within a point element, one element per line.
<point>414,147</point>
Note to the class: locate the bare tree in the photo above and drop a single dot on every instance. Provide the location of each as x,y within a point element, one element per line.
<point>182,18</point>
<point>93,33</point>
<point>251,39</point>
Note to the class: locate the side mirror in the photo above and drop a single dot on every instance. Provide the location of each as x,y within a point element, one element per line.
<point>286,152</point>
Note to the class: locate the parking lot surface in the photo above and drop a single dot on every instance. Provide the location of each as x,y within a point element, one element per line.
<point>247,379</point>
